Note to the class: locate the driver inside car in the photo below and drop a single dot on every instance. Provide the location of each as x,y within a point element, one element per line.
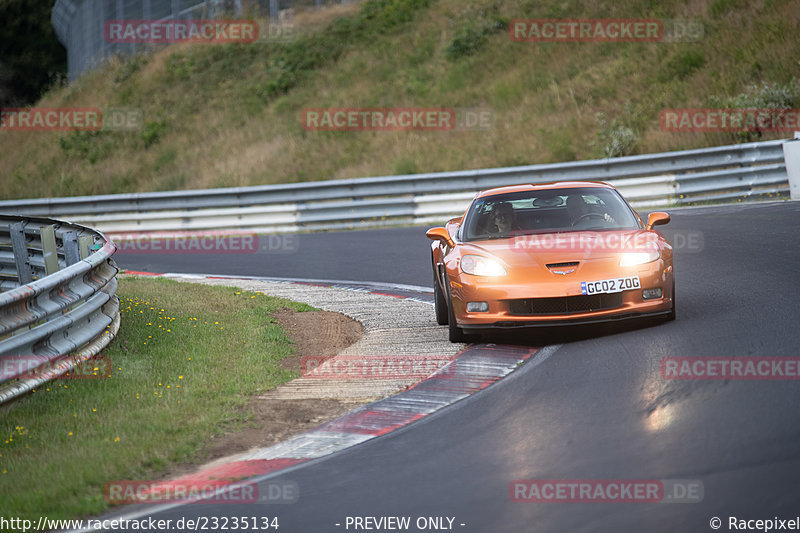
<point>503,220</point>
<point>580,212</point>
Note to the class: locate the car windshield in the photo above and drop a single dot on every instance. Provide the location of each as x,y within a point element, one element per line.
<point>547,211</point>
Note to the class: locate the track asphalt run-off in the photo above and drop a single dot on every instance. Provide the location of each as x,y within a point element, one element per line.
<point>398,321</point>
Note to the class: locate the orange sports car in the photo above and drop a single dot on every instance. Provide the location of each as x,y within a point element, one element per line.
<point>549,254</point>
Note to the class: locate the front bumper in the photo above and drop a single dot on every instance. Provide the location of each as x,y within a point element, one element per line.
<point>520,324</point>
<point>498,293</point>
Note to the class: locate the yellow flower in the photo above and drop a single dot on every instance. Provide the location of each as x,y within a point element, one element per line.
<point>69,434</point>
<point>116,439</point>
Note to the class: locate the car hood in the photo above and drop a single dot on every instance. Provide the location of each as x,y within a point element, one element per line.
<point>550,248</point>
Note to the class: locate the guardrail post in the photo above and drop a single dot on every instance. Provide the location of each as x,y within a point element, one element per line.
<point>85,246</point>
<point>791,154</point>
<point>20,248</point>
<point>49,250</point>
<point>71,253</point>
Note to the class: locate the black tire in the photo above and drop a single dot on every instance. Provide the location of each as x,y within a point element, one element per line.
<point>671,315</point>
<point>440,303</point>
<point>456,334</point>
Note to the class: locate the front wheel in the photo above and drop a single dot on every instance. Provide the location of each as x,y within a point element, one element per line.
<point>439,303</point>
<point>671,315</point>
<point>456,334</point>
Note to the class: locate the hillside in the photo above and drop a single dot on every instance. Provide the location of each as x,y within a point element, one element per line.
<point>230,115</point>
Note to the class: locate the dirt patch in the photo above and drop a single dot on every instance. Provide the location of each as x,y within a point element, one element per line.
<point>317,333</point>
<point>273,421</point>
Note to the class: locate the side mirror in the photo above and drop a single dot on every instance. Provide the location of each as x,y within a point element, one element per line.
<point>657,219</point>
<point>440,234</point>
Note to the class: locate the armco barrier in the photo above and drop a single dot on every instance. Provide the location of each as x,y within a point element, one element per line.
<point>58,303</point>
<point>791,152</point>
<point>752,170</point>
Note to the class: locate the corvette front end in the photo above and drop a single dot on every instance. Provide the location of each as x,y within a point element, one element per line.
<point>540,273</point>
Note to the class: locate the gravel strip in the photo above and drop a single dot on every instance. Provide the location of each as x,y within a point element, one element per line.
<point>392,327</point>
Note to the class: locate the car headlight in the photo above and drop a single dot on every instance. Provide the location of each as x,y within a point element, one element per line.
<point>638,258</point>
<point>481,266</point>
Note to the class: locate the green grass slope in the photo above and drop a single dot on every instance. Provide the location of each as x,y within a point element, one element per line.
<point>229,115</point>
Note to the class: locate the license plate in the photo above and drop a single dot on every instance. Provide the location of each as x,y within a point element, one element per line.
<point>610,285</point>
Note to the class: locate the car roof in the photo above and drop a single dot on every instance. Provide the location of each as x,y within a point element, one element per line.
<point>543,186</point>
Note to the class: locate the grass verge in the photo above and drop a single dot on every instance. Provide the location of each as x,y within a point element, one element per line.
<point>184,363</point>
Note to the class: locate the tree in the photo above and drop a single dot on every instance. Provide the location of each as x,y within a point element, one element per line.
<point>31,57</point>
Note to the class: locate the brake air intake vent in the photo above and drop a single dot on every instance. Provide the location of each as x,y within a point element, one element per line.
<point>565,305</point>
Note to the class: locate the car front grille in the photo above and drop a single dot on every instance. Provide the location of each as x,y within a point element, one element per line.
<point>560,265</point>
<point>565,305</point>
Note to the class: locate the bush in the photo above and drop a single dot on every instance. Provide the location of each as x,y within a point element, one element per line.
<point>89,145</point>
<point>763,96</point>
<point>614,139</point>
<point>682,65</point>
<point>472,31</point>
<point>152,132</point>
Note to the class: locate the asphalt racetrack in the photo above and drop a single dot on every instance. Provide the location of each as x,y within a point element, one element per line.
<point>597,408</point>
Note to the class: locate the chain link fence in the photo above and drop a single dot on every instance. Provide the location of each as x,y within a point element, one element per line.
<point>79,24</point>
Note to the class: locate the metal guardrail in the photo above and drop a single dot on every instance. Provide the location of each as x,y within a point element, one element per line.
<point>58,305</point>
<point>753,170</point>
